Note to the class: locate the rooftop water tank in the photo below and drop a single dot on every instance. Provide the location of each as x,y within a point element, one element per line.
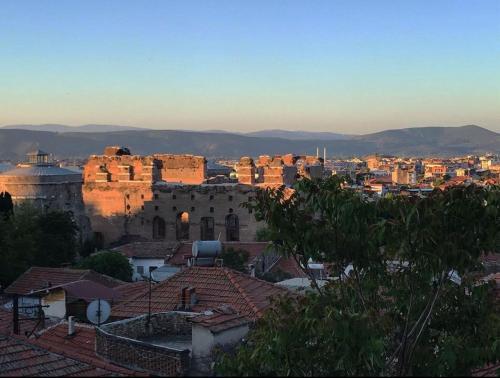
<point>206,248</point>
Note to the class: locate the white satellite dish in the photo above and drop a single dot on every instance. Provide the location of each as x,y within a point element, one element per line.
<point>98,311</point>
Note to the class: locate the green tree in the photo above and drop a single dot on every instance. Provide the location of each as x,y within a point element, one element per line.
<point>6,205</point>
<point>31,237</point>
<point>110,263</point>
<point>410,304</point>
<point>262,235</point>
<point>236,259</point>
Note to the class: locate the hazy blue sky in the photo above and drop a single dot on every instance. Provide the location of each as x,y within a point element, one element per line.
<point>348,66</point>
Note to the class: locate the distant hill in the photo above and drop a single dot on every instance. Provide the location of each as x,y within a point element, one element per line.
<point>56,128</point>
<point>298,135</point>
<point>422,141</point>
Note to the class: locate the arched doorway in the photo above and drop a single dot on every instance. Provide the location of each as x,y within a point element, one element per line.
<point>232,228</point>
<point>182,226</point>
<point>158,228</point>
<point>207,228</point>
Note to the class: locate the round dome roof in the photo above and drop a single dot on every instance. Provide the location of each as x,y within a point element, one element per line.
<point>40,171</point>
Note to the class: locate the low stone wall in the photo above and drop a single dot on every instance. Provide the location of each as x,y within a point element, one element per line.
<point>119,342</point>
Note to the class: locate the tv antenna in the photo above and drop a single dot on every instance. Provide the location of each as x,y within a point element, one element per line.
<point>98,311</point>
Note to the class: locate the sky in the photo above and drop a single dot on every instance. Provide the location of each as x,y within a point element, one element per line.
<point>353,66</point>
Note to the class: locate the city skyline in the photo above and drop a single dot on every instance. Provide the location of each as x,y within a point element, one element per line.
<point>333,66</point>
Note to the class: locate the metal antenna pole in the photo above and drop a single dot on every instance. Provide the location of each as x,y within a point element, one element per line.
<point>149,298</point>
<point>15,313</point>
<point>99,312</point>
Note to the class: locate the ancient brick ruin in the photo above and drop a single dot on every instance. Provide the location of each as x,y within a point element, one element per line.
<point>162,197</point>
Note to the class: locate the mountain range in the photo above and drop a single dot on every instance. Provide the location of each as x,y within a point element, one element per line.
<point>15,142</point>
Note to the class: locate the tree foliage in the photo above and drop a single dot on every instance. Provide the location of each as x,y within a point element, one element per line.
<point>110,263</point>
<point>6,205</point>
<point>31,237</point>
<point>236,259</point>
<point>411,303</point>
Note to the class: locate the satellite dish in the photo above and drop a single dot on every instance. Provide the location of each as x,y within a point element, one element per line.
<point>98,311</point>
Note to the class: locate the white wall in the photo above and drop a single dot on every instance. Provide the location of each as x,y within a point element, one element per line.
<point>203,342</point>
<point>146,264</point>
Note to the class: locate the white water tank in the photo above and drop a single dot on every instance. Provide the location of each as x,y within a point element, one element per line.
<point>206,248</point>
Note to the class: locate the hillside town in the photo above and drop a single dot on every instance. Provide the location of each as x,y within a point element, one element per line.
<point>179,221</point>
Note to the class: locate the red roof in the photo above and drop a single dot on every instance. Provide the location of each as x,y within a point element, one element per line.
<point>6,323</point>
<point>37,278</point>
<point>80,346</point>
<point>19,358</point>
<point>213,286</point>
<point>85,289</point>
<point>220,319</point>
<point>290,266</point>
<point>132,289</point>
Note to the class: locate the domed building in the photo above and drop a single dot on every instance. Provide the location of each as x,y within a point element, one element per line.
<point>47,187</point>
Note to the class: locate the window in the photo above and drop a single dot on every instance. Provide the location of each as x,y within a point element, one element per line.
<point>192,209</point>
<point>174,196</point>
<point>142,207</point>
<point>142,196</point>
<point>174,208</point>
<point>232,228</point>
<point>231,211</point>
<point>156,208</point>
<point>140,270</point>
<point>156,196</point>
<point>182,226</point>
<point>128,196</point>
<point>159,228</point>
<point>211,209</point>
<point>207,231</point>
<point>211,197</point>
<point>230,198</point>
<point>192,196</point>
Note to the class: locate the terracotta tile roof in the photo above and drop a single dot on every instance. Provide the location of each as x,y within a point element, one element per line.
<point>80,346</point>
<point>132,289</point>
<point>37,278</point>
<point>6,323</point>
<point>214,287</point>
<point>290,266</point>
<point>220,319</point>
<point>20,358</point>
<point>144,250</point>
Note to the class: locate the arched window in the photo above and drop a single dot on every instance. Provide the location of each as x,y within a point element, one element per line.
<point>158,228</point>
<point>232,228</point>
<point>207,228</point>
<point>182,226</point>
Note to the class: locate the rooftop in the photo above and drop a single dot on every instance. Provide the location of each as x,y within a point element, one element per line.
<point>80,346</point>
<point>20,358</point>
<point>213,287</point>
<point>40,170</point>
<point>38,278</point>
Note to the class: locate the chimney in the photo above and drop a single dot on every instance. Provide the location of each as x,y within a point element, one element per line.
<point>184,297</point>
<point>191,300</point>
<point>71,325</point>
